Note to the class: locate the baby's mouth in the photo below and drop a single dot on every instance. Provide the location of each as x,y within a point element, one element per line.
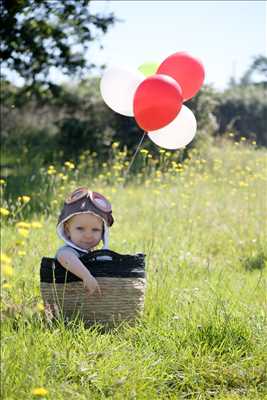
<point>86,244</point>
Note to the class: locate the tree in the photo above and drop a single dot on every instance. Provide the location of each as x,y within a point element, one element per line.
<point>243,110</point>
<point>258,66</point>
<point>39,34</point>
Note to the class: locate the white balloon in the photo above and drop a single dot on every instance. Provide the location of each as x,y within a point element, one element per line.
<point>118,86</point>
<point>178,133</point>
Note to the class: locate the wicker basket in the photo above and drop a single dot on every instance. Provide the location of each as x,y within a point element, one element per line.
<point>120,277</point>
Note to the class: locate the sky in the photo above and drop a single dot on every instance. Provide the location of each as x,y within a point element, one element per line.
<point>224,35</point>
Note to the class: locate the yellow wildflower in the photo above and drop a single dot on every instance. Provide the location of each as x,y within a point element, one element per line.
<point>5,259</point>
<point>144,151</point>
<point>36,224</point>
<point>69,165</point>
<point>23,232</point>
<point>7,270</point>
<point>51,172</point>
<point>6,286</point>
<point>23,225</point>
<point>2,182</point>
<point>115,145</point>
<point>62,176</point>
<point>243,184</point>
<point>117,167</point>
<point>4,211</point>
<point>40,307</point>
<point>25,199</point>
<point>22,253</point>
<point>39,391</point>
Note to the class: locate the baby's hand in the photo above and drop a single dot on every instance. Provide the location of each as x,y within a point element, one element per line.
<point>72,263</point>
<point>91,285</point>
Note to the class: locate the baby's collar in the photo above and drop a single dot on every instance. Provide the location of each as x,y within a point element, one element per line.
<point>69,243</point>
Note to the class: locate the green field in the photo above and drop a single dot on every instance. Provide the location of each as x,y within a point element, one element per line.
<point>202,225</point>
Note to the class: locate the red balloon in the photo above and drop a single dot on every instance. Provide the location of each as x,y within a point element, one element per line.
<point>157,101</point>
<point>186,70</point>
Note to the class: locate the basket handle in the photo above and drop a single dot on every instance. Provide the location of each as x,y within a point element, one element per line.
<point>104,254</point>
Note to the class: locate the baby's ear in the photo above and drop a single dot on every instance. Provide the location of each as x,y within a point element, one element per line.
<point>66,229</point>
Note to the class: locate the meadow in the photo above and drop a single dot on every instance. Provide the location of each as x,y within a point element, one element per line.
<point>202,225</point>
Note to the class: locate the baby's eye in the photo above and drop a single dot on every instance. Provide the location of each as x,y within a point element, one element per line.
<point>96,230</point>
<point>79,228</point>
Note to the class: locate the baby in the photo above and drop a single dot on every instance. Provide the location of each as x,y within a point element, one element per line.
<point>82,224</point>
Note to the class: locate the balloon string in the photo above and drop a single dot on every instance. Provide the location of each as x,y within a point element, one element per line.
<point>134,156</point>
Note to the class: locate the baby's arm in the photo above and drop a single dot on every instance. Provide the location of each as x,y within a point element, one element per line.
<point>72,263</point>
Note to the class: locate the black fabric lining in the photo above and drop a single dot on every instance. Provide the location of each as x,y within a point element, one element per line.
<point>116,266</point>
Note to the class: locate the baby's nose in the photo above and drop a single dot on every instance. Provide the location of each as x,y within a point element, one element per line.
<point>88,234</point>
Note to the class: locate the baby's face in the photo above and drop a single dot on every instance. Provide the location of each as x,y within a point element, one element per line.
<point>84,230</point>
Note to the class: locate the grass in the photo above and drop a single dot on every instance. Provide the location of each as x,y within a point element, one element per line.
<point>202,225</point>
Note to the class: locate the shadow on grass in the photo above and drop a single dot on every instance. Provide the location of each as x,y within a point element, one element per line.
<point>255,262</point>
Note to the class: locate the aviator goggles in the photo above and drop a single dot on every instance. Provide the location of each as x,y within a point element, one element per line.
<point>97,199</point>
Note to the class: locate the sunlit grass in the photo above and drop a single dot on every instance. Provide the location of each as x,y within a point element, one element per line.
<point>202,225</point>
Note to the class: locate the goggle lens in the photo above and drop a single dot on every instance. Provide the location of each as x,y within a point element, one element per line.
<point>100,201</point>
<point>97,199</point>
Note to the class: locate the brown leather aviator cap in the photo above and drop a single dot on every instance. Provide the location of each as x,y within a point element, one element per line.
<point>83,200</point>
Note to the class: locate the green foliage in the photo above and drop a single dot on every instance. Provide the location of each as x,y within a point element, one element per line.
<point>37,35</point>
<point>203,105</point>
<point>75,120</point>
<point>255,261</point>
<point>258,67</point>
<point>56,128</point>
<point>243,110</point>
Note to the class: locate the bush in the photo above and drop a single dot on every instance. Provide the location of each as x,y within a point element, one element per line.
<point>75,119</point>
<point>243,110</point>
